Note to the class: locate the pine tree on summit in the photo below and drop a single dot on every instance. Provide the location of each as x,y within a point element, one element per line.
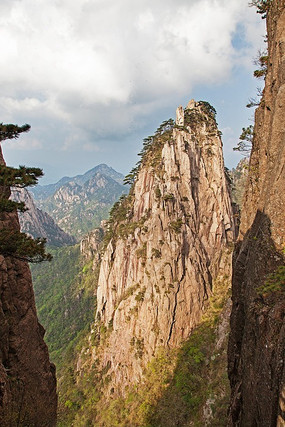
<point>12,242</point>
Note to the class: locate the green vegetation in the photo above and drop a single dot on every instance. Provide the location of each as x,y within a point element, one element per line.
<point>13,243</point>
<point>237,180</point>
<point>19,177</point>
<point>19,245</point>
<point>11,206</point>
<point>80,206</point>
<point>245,141</point>
<point>140,295</point>
<point>177,384</point>
<point>120,223</point>
<point>168,196</point>
<point>131,177</point>
<point>275,282</point>
<point>10,131</point>
<point>141,252</point>
<point>176,225</point>
<point>262,6</point>
<point>151,151</point>
<point>64,292</point>
<point>157,193</point>
<point>156,253</point>
<point>262,62</point>
<point>208,109</point>
<point>129,292</point>
<point>195,118</point>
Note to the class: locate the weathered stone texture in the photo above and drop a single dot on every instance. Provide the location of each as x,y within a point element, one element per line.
<point>38,223</point>
<point>27,378</point>
<point>257,339</point>
<point>154,283</point>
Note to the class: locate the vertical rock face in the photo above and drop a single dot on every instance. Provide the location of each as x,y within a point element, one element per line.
<point>38,223</point>
<point>159,268</point>
<point>257,339</point>
<point>90,245</point>
<point>27,378</point>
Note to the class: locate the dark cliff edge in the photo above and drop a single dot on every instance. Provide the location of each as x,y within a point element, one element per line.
<point>27,378</point>
<point>257,339</point>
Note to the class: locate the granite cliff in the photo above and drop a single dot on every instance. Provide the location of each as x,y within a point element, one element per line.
<point>27,378</point>
<point>38,223</point>
<point>168,243</point>
<point>257,339</point>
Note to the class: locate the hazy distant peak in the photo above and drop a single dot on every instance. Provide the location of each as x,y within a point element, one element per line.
<point>42,192</point>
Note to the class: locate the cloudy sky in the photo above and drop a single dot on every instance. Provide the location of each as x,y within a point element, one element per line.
<point>94,77</point>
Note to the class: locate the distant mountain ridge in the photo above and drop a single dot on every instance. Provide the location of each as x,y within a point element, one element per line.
<point>41,192</point>
<point>78,204</point>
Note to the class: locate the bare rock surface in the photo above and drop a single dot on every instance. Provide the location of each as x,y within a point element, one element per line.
<point>156,276</point>
<point>257,339</point>
<point>38,223</point>
<point>27,378</point>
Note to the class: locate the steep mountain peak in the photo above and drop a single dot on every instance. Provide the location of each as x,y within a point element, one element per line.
<point>107,171</point>
<point>166,244</point>
<point>42,192</point>
<point>80,203</point>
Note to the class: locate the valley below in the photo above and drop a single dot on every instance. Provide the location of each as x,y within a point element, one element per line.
<point>164,299</point>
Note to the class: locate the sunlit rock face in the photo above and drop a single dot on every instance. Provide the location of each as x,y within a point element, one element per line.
<point>257,339</point>
<point>158,270</point>
<point>38,223</point>
<point>27,378</point>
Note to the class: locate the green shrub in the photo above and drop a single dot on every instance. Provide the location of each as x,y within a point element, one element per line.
<point>140,296</point>
<point>156,253</point>
<point>275,282</point>
<point>176,225</point>
<point>262,6</point>
<point>168,196</point>
<point>141,252</point>
<point>157,193</point>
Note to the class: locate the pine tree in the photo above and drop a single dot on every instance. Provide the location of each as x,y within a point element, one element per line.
<point>13,242</point>
<point>245,141</point>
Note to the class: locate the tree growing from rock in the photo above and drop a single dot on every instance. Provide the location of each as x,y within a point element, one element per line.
<point>13,242</point>
<point>245,141</point>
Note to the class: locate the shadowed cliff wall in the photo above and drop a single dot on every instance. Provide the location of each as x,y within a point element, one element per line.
<point>257,339</point>
<point>27,378</point>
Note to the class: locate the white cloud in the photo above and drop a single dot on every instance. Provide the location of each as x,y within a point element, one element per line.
<point>105,66</point>
<point>30,143</point>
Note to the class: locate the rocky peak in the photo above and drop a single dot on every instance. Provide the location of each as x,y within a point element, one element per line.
<point>180,111</point>
<point>168,243</point>
<point>80,203</point>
